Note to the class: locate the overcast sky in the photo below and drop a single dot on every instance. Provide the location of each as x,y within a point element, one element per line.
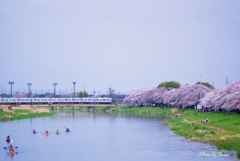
<point>123,44</point>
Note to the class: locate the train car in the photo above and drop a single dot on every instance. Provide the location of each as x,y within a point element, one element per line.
<point>104,100</point>
<point>85,100</point>
<point>8,100</point>
<point>24,101</point>
<point>66,100</point>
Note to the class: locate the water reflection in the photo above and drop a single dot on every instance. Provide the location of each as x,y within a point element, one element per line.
<point>101,136</point>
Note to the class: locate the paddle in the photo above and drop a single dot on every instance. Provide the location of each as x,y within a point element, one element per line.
<point>6,148</point>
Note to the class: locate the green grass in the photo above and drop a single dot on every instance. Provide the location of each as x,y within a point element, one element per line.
<point>220,125</point>
<point>22,114</point>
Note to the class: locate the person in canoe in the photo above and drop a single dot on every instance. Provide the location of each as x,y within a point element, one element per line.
<point>10,146</point>
<point>46,133</point>
<point>67,130</point>
<point>34,131</point>
<point>11,153</point>
<point>57,132</point>
<point>8,138</point>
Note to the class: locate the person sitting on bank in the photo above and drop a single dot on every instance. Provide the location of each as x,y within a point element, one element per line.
<point>206,120</point>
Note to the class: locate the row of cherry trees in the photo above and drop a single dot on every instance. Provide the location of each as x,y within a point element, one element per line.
<point>187,96</point>
<point>226,97</point>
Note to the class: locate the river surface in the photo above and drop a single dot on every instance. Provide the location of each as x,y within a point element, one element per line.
<point>101,137</point>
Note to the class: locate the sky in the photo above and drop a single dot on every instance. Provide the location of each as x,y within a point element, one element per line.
<point>121,44</point>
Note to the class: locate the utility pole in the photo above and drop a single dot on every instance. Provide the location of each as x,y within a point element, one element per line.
<point>94,101</point>
<point>227,80</point>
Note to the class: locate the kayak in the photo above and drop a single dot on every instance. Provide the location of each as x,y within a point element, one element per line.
<point>46,134</point>
<point>8,140</point>
<point>68,131</point>
<point>57,132</point>
<point>11,153</point>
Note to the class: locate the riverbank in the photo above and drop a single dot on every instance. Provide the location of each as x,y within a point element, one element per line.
<point>223,130</point>
<point>9,113</point>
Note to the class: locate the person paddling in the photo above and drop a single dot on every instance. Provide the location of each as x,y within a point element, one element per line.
<point>67,130</point>
<point>57,132</point>
<point>34,131</point>
<point>8,138</point>
<point>10,147</point>
<point>11,151</point>
<point>46,133</point>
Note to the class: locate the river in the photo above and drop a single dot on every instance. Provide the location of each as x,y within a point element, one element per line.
<point>101,137</point>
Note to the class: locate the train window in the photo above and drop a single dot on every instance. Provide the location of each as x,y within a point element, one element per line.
<point>66,99</point>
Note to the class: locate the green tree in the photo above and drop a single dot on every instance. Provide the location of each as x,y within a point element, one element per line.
<point>171,84</point>
<point>82,94</point>
<point>48,94</point>
<point>4,95</point>
<point>111,94</point>
<point>103,95</point>
<point>205,84</point>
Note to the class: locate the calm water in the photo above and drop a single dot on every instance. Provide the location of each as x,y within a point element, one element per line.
<point>104,137</point>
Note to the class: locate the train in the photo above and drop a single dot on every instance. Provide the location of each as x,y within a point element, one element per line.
<point>83,100</point>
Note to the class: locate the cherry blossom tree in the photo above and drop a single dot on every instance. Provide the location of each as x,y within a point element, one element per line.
<point>226,97</point>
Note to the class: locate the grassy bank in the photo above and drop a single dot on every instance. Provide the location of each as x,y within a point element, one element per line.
<point>98,109</point>
<point>223,130</point>
<point>17,114</point>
